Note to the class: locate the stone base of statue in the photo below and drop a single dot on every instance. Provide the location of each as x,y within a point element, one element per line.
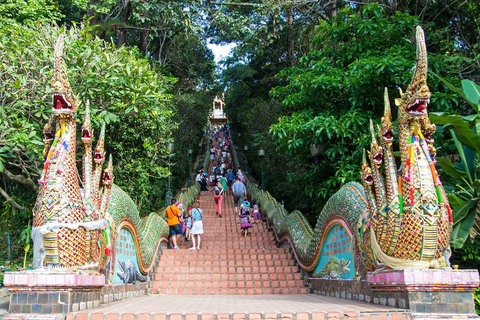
<point>53,291</point>
<point>427,294</point>
<point>444,291</point>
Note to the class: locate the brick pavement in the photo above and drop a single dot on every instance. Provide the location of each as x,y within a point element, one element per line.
<point>239,307</point>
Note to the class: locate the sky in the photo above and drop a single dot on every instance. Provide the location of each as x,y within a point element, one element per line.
<point>219,51</point>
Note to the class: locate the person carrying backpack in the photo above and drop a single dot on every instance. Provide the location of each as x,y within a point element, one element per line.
<point>218,197</point>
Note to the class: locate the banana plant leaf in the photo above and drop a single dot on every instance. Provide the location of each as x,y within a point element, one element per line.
<point>472,93</point>
<point>463,219</point>
<point>464,133</point>
<point>469,92</point>
<point>449,168</point>
<point>454,200</point>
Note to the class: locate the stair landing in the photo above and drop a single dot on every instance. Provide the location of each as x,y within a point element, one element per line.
<point>240,307</point>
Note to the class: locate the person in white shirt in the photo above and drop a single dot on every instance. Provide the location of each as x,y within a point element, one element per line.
<point>198,178</point>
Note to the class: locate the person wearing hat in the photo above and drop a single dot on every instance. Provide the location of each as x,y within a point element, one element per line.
<point>245,223</point>
<point>173,213</point>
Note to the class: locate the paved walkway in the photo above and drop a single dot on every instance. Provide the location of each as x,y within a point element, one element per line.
<point>268,303</point>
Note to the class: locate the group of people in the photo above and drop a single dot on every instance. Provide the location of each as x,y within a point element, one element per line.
<point>220,156</point>
<point>189,225</point>
<point>221,180</point>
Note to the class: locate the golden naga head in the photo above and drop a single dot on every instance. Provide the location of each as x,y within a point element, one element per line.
<point>108,173</point>
<point>87,131</point>
<point>376,151</point>
<point>99,154</point>
<point>413,103</point>
<point>386,130</point>
<point>48,131</point>
<point>367,176</point>
<point>48,136</point>
<point>64,103</point>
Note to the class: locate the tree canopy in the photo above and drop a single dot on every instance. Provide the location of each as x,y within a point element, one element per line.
<point>302,72</point>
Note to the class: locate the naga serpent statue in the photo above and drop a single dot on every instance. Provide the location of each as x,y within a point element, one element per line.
<point>77,226</point>
<point>397,218</point>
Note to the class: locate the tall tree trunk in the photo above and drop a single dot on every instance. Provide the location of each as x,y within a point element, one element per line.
<point>291,41</point>
<point>333,12</point>
<point>122,32</point>
<point>144,38</point>
<point>143,42</point>
<point>91,13</point>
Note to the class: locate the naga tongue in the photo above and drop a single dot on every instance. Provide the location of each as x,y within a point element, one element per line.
<point>421,107</point>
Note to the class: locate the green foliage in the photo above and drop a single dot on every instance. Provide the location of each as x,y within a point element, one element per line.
<point>123,90</point>
<point>330,95</point>
<point>191,62</point>
<point>464,194</point>
<point>192,113</point>
<point>342,138</point>
<point>27,11</point>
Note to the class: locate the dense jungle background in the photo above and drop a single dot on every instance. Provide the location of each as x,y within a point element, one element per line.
<point>301,72</point>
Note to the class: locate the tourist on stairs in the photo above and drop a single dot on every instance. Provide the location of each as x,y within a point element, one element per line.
<point>204,182</point>
<point>218,197</point>
<point>199,176</point>
<point>245,223</point>
<point>173,220</point>
<point>224,182</point>
<point>239,193</point>
<point>230,177</point>
<point>197,228</point>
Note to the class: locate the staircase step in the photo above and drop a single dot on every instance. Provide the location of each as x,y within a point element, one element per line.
<point>243,316</point>
<point>229,262</point>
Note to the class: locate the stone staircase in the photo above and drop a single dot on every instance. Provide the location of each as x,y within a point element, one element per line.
<point>232,277</point>
<point>228,262</point>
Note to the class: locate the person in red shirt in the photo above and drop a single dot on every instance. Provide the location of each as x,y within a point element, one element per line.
<point>173,219</point>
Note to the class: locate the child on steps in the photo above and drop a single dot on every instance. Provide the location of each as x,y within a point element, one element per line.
<point>245,223</point>
<point>188,225</point>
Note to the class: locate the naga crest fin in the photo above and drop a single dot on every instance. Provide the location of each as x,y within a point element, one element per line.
<point>387,113</point>
<point>58,64</point>
<point>64,103</point>
<point>87,132</point>
<point>386,130</point>
<point>421,67</point>
<point>376,151</point>
<point>372,132</point>
<point>414,101</point>
<point>99,154</point>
